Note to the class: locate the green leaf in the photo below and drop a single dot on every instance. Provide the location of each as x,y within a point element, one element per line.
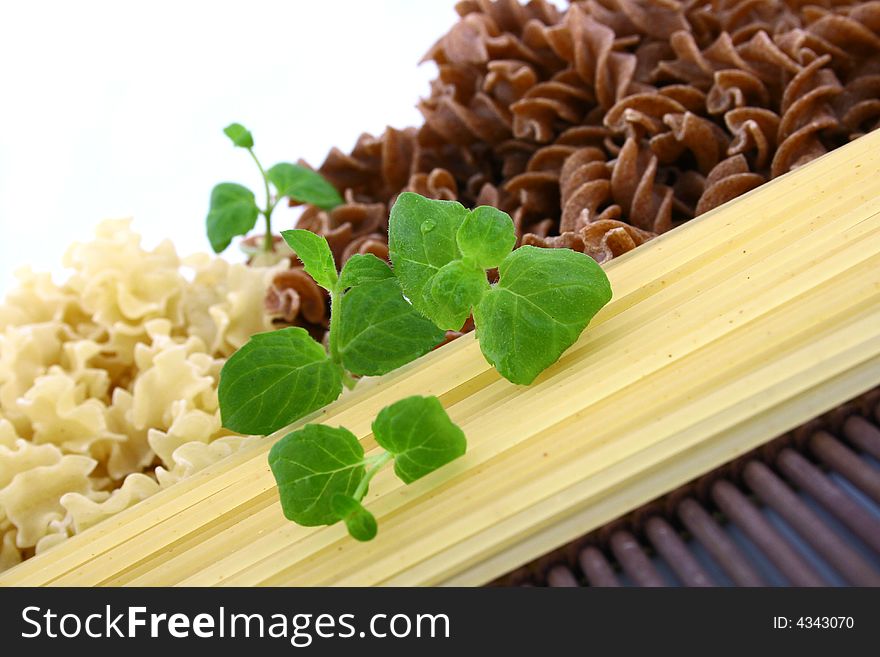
<point>233,212</point>
<point>539,308</point>
<point>311,466</point>
<point>487,235</point>
<point>275,379</point>
<point>239,135</point>
<point>420,435</point>
<point>302,184</point>
<point>421,240</point>
<point>544,299</point>
<point>363,268</point>
<point>360,522</point>
<point>379,330</point>
<point>456,288</point>
<point>315,254</point>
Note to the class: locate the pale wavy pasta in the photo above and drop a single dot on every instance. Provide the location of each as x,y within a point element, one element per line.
<point>194,456</point>
<point>88,510</point>
<point>108,382</point>
<point>32,500</point>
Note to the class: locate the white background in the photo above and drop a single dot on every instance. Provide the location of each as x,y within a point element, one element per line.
<point>113,109</point>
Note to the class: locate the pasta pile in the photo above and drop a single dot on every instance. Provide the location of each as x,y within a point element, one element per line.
<point>595,128</point>
<point>602,126</point>
<point>108,383</point>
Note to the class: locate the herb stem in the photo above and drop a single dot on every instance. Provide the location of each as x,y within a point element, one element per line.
<point>348,380</point>
<point>335,311</point>
<point>268,242</point>
<point>377,462</point>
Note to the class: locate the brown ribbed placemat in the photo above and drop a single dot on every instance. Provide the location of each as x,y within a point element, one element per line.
<point>803,509</point>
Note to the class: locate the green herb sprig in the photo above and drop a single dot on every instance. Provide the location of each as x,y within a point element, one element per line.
<point>234,210</point>
<point>281,376</point>
<point>542,302</point>
<point>381,319</point>
<point>323,474</point>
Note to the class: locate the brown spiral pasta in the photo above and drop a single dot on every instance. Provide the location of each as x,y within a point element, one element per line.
<point>602,240</point>
<point>602,125</point>
<point>806,113</point>
<point>690,133</point>
<point>585,186</point>
<point>858,106</point>
<point>607,238</point>
<point>438,184</point>
<point>588,47</point>
<point>546,106</point>
<point>727,180</point>
<point>295,295</point>
<point>734,88</point>
<point>754,132</point>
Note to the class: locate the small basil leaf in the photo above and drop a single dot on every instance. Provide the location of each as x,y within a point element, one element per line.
<point>363,268</point>
<point>275,379</point>
<point>421,240</point>
<point>302,184</point>
<point>420,435</point>
<point>311,466</point>
<point>379,330</point>
<point>239,135</point>
<point>486,236</point>
<point>544,299</point>
<point>233,212</point>
<point>315,254</point>
<point>455,289</point>
<point>360,523</point>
